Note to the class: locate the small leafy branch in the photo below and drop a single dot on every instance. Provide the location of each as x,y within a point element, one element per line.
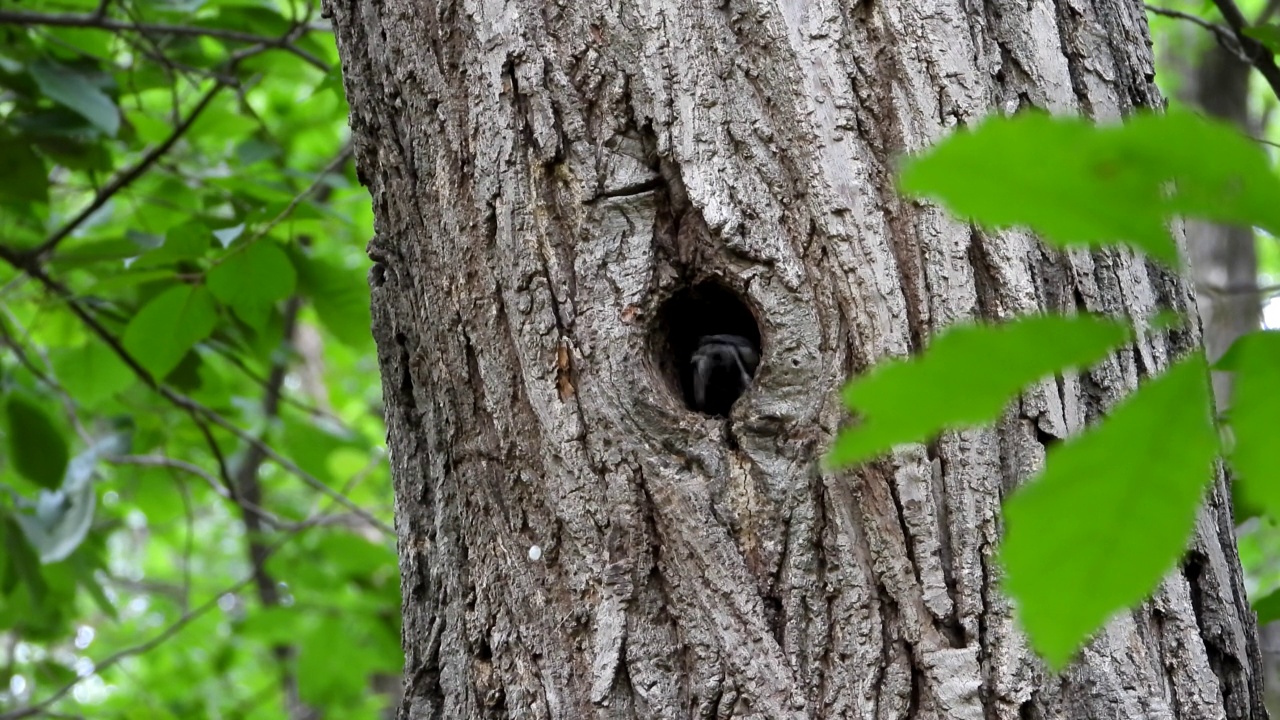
<point>1113,508</point>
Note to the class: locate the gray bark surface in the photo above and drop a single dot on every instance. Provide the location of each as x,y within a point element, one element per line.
<point>574,542</point>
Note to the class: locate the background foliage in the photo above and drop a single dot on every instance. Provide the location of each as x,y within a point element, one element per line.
<point>194,504</point>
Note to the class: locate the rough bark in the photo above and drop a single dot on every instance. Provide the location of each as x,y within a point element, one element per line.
<point>575,542</point>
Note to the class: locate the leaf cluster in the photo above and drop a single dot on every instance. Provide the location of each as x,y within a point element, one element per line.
<point>1113,507</point>
<point>194,502</point>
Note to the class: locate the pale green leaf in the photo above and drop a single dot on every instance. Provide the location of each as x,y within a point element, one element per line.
<point>228,235</point>
<point>1111,513</point>
<point>965,378</point>
<point>1254,416</point>
<point>58,520</point>
<point>168,326</point>
<point>252,279</point>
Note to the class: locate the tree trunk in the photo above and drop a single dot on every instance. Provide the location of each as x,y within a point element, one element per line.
<point>567,195</point>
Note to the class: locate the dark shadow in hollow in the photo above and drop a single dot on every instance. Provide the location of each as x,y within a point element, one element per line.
<point>691,314</point>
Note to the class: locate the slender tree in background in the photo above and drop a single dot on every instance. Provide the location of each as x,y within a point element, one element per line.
<point>1224,262</point>
<point>1215,77</point>
<point>567,195</point>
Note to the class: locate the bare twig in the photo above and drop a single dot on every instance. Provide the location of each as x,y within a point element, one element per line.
<point>45,375</point>
<point>1225,37</point>
<point>1260,55</point>
<point>250,489</point>
<point>161,461</point>
<point>1230,290</point>
<point>1233,39</point>
<point>98,21</point>
<point>343,155</point>
<point>1268,11</point>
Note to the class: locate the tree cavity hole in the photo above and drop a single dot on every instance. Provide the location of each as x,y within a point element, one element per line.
<point>707,320</point>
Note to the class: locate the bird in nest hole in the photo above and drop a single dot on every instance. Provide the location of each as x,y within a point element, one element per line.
<point>722,369</point>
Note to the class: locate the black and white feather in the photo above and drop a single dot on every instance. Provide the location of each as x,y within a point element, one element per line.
<point>723,366</point>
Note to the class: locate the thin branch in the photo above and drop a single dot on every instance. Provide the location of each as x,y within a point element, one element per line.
<point>194,409</point>
<point>1233,39</point>
<point>1236,290</point>
<point>249,487</point>
<point>124,179</point>
<point>1259,55</point>
<point>1267,12</point>
<point>116,658</point>
<point>40,708</point>
<point>1225,37</point>
<point>291,467</point>
<point>188,543</point>
<point>161,461</point>
<point>343,155</point>
<point>97,21</point>
<point>45,375</point>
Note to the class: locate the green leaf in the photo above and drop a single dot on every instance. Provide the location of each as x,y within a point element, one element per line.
<point>22,568</point>
<point>272,625</point>
<point>25,178</point>
<point>965,378</point>
<point>1100,185</point>
<point>37,447</point>
<point>1267,607</point>
<point>168,326</point>
<point>340,297</point>
<point>1254,416</point>
<point>155,494</point>
<point>322,682</point>
<point>83,254</point>
<point>186,242</point>
<point>1268,35</point>
<point>58,521</point>
<point>91,372</point>
<point>1218,173</point>
<point>1111,513</point>
<point>252,279</point>
<point>74,90</point>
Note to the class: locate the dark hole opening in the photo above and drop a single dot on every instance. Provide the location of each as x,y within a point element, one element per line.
<point>713,322</point>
